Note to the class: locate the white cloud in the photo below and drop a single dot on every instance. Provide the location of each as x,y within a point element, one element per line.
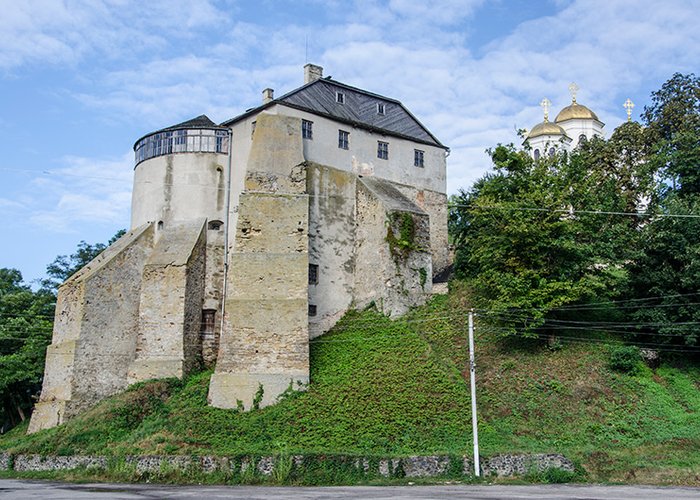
<point>57,33</point>
<point>84,191</point>
<point>416,52</point>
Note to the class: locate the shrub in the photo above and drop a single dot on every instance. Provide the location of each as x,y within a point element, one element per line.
<point>625,359</point>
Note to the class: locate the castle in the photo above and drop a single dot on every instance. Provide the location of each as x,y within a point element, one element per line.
<point>574,124</point>
<point>249,238</point>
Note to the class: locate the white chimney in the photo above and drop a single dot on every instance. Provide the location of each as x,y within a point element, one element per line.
<point>268,95</point>
<point>312,72</point>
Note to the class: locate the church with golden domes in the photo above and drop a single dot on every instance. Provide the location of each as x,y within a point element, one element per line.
<point>574,124</point>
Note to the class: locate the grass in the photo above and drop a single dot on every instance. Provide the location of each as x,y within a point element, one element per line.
<point>396,388</point>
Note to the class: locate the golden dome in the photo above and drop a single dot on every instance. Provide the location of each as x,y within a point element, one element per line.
<point>575,111</point>
<point>545,128</point>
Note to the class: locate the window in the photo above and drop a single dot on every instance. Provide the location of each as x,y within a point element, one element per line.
<point>340,97</point>
<point>215,225</point>
<point>252,129</point>
<point>552,151</point>
<point>582,139</point>
<point>307,131</point>
<point>380,108</point>
<point>312,310</point>
<point>313,274</point>
<point>221,141</point>
<point>418,158</point>
<point>160,225</point>
<point>537,154</point>
<point>208,322</point>
<point>343,139</point>
<point>180,141</point>
<point>383,150</point>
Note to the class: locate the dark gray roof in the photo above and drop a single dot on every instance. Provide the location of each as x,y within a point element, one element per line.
<point>359,109</point>
<point>201,121</point>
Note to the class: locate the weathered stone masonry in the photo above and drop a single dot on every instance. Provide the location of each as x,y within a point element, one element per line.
<point>312,227</point>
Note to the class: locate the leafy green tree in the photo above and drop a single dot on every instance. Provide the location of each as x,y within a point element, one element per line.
<point>26,319</point>
<point>673,124</point>
<point>666,276</point>
<point>530,239</point>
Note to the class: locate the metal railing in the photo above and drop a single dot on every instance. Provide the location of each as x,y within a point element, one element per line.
<point>181,141</point>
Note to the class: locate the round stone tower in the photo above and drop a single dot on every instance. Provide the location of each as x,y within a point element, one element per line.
<point>181,175</point>
<point>181,180</point>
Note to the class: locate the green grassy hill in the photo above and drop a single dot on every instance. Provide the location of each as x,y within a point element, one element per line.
<point>382,387</point>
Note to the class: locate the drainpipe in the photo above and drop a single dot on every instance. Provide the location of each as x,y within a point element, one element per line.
<point>226,232</point>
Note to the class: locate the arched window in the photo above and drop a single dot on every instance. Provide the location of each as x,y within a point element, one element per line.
<point>537,154</point>
<point>582,139</point>
<point>552,151</point>
<point>215,225</point>
<point>160,225</point>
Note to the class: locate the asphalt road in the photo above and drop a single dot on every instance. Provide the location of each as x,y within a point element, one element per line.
<point>16,489</point>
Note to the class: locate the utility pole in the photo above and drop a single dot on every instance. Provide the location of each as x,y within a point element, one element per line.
<point>472,382</point>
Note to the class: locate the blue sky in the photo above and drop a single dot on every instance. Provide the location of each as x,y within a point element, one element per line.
<point>81,80</point>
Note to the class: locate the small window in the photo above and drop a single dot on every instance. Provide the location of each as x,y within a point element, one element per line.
<point>552,151</point>
<point>307,130</point>
<point>383,150</point>
<point>340,97</point>
<point>208,321</point>
<point>313,274</point>
<point>160,225</point>
<point>582,139</point>
<point>252,129</point>
<point>312,310</point>
<point>537,154</point>
<point>418,158</point>
<point>380,108</point>
<point>215,225</point>
<point>343,139</point>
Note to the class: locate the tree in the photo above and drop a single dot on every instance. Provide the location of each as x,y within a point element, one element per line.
<point>530,236</point>
<point>26,324</point>
<point>666,276</point>
<point>26,319</point>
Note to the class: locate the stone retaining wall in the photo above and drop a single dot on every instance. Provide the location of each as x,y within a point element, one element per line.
<point>416,466</point>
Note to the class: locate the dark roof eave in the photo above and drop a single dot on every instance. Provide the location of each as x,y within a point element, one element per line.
<point>340,120</point>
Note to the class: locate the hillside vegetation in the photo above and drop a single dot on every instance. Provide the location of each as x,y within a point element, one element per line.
<point>392,388</point>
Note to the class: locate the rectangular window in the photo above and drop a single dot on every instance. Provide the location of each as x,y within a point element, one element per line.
<point>383,150</point>
<point>340,97</point>
<point>252,129</point>
<point>307,131</point>
<point>313,274</point>
<point>380,108</point>
<point>343,139</point>
<point>208,322</point>
<point>418,158</point>
<point>312,310</point>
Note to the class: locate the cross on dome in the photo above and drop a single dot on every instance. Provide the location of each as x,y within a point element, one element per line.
<point>546,103</point>
<point>628,105</point>
<point>573,89</point>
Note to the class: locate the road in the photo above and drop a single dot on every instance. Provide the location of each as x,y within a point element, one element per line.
<point>20,489</point>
